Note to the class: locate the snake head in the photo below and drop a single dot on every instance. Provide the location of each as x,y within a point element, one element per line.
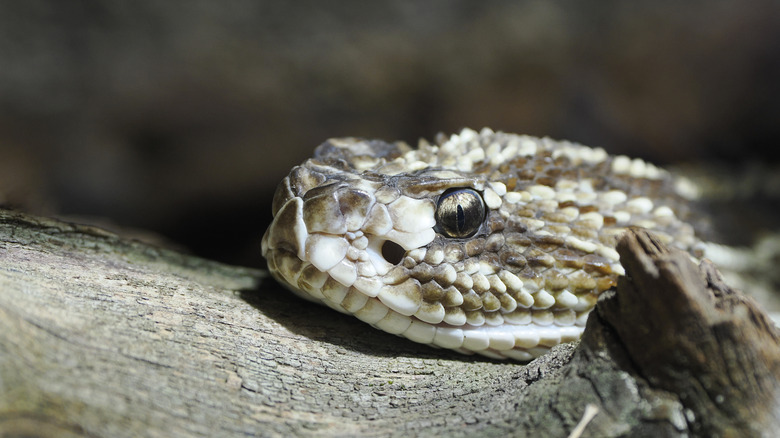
<point>485,243</point>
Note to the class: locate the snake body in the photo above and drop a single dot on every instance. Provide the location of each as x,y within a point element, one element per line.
<point>483,242</point>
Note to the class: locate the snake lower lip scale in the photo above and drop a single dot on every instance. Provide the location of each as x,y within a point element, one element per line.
<point>485,242</point>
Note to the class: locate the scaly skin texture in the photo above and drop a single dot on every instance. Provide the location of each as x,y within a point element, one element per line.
<point>355,228</point>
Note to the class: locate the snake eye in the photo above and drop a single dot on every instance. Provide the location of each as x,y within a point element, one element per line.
<point>459,213</point>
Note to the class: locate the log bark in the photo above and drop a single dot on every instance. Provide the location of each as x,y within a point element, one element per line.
<point>105,336</point>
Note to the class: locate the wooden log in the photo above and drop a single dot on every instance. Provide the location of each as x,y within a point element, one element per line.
<point>689,333</point>
<point>105,336</point>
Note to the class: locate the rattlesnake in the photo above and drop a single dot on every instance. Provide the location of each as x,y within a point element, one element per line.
<point>484,242</point>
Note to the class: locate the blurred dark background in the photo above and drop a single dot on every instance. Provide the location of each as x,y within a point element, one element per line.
<point>180,117</point>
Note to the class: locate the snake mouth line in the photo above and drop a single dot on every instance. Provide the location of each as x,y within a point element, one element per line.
<point>518,342</point>
<point>521,342</point>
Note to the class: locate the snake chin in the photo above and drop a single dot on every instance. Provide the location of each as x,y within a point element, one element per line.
<point>386,310</point>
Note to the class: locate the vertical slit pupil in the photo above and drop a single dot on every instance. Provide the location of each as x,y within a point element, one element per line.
<point>461,219</point>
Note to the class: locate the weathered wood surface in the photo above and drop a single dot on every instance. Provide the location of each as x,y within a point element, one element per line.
<point>102,336</point>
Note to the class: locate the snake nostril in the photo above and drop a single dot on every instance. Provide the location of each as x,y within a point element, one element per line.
<point>392,252</point>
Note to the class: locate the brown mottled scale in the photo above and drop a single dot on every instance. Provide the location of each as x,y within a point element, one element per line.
<point>537,262</point>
